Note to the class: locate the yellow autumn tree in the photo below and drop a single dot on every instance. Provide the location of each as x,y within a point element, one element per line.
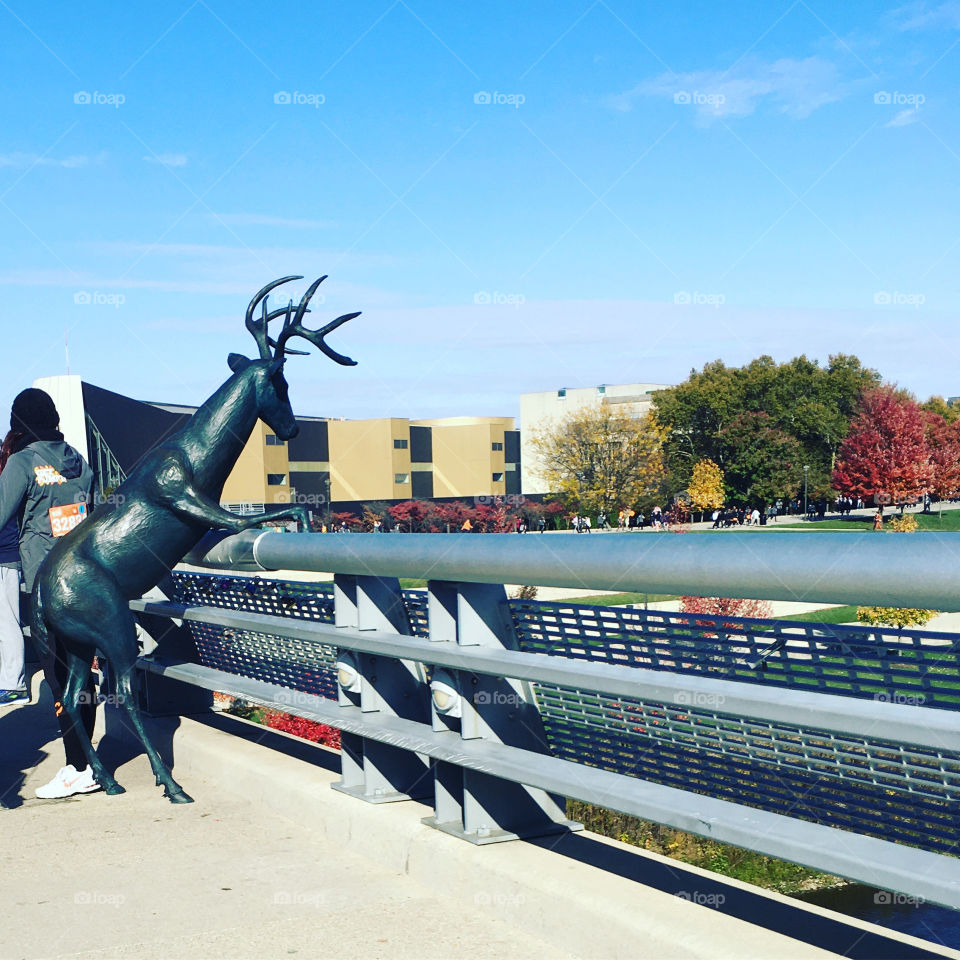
<point>706,486</point>
<point>899,617</point>
<point>601,459</point>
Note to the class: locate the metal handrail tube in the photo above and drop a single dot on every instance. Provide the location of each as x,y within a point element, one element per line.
<point>904,723</point>
<point>920,570</point>
<point>918,873</point>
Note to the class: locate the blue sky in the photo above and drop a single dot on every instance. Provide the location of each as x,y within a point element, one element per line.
<point>517,196</point>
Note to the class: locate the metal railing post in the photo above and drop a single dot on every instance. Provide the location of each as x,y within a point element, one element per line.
<point>470,804</point>
<point>374,771</point>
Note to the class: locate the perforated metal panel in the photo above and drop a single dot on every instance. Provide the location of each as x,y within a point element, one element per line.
<point>905,666</point>
<point>299,664</point>
<point>873,787</point>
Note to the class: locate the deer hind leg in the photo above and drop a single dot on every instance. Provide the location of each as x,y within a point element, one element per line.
<point>124,661</point>
<point>77,686</point>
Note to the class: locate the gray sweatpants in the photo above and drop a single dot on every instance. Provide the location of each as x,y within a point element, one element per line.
<point>11,635</point>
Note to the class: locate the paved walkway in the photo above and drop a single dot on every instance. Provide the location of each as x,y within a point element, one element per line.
<point>133,876</point>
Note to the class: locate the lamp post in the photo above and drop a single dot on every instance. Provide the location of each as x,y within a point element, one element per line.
<point>326,481</point>
<point>806,471</point>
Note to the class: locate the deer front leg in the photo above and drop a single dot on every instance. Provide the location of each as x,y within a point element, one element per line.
<point>192,504</point>
<point>293,512</point>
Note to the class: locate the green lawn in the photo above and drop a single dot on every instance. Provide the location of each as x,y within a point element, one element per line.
<point>926,521</point>
<point>618,599</point>
<point>831,615</point>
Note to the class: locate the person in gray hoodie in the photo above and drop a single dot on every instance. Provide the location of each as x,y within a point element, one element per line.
<point>12,684</point>
<point>48,487</point>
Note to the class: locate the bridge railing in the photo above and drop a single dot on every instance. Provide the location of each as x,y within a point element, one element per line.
<point>834,747</point>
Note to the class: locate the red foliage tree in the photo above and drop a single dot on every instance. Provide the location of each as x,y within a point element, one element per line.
<point>943,438</point>
<point>886,456</point>
<point>408,515</point>
<point>726,606</point>
<point>352,520</point>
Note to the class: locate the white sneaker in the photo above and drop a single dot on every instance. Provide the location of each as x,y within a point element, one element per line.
<point>67,782</point>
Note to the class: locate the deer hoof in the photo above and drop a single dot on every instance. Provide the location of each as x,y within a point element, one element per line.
<point>112,789</point>
<point>177,796</point>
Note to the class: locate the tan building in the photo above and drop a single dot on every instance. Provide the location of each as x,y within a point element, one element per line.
<point>398,459</point>
<point>329,460</point>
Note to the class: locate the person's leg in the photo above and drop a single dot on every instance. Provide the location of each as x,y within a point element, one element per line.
<point>11,633</point>
<point>54,663</point>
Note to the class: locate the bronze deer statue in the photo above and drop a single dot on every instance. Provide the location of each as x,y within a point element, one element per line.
<point>160,512</point>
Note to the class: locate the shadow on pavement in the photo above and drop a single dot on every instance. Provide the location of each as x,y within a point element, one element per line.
<point>25,732</point>
<point>784,918</point>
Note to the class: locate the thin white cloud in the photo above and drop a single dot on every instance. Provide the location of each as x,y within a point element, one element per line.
<point>23,160</point>
<point>795,87</point>
<point>921,16</point>
<point>265,220</point>
<point>904,118</point>
<point>169,159</point>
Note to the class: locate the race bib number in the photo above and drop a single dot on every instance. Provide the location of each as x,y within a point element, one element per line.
<point>64,519</point>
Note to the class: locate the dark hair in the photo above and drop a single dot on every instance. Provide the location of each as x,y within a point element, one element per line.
<point>8,446</point>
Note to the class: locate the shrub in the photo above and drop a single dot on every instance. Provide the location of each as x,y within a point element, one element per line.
<point>899,617</point>
<point>905,524</point>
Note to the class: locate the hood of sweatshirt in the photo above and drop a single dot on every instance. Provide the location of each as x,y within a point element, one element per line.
<point>60,455</point>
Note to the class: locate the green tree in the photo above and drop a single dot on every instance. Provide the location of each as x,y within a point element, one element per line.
<point>600,459</point>
<point>763,462</point>
<point>811,403</point>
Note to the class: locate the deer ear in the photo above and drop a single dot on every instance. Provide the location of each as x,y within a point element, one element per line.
<point>236,362</point>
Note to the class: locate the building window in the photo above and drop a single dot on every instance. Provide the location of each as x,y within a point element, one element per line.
<point>401,478</point>
<point>496,446</point>
<point>400,444</point>
<point>498,478</point>
<point>561,393</point>
<point>276,479</point>
<point>273,440</point>
<point>602,389</point>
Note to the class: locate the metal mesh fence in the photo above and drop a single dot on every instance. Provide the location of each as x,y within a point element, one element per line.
<point>870,786</point>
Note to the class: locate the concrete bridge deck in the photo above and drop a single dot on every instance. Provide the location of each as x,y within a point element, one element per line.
<point>270,862</point>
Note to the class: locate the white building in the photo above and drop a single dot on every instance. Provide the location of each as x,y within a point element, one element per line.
<point>546,409</point>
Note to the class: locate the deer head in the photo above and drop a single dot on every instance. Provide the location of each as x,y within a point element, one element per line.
<point>272,394</point>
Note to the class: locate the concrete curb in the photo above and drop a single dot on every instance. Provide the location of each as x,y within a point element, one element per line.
<point>580,892</point>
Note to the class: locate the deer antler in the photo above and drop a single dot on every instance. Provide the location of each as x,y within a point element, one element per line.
<point>259,327</point>
<point>293,327</point>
